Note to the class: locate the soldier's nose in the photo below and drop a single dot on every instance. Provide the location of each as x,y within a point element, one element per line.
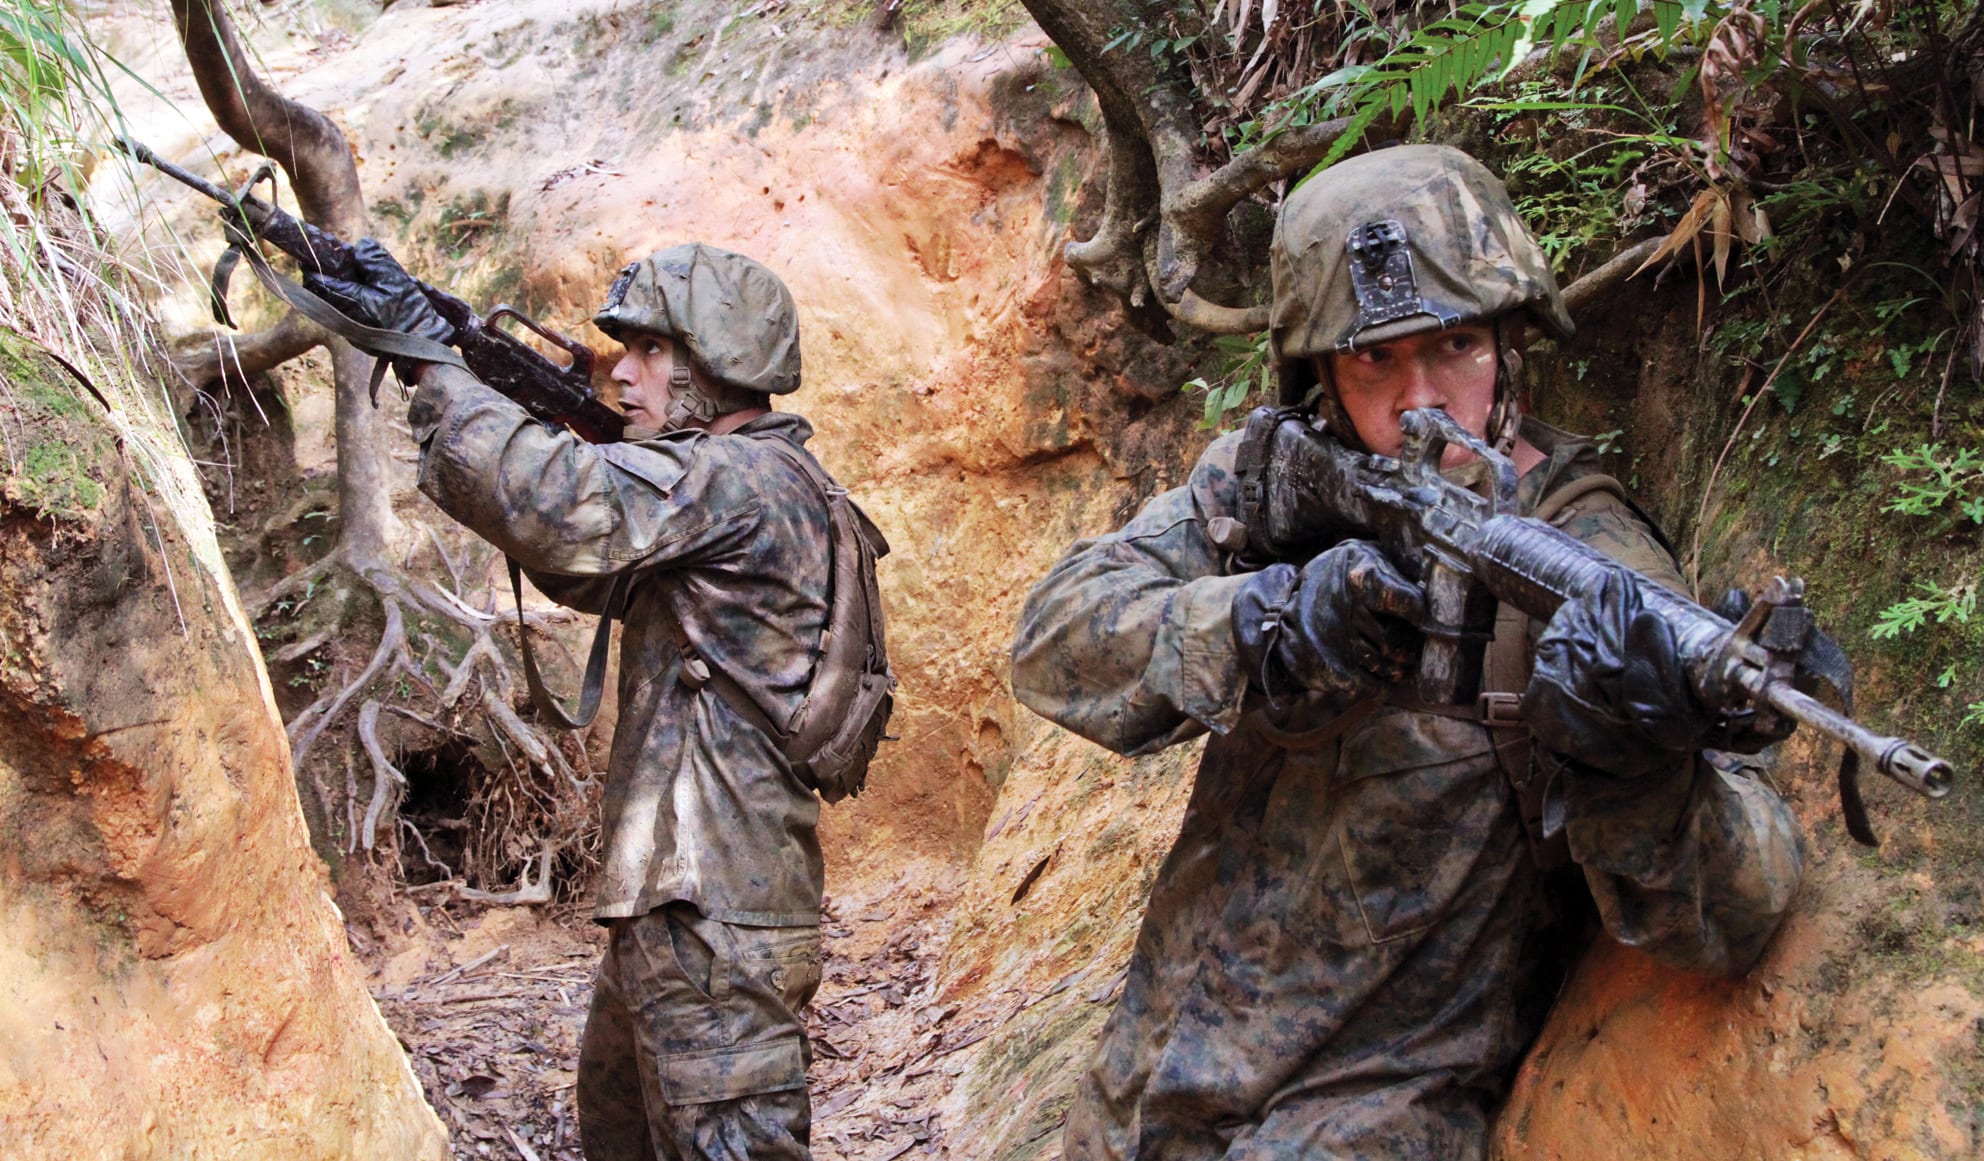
<point>1420,391</point>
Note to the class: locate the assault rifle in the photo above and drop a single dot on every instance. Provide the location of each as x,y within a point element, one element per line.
<point>561,396</point>
<point>1469,551</point>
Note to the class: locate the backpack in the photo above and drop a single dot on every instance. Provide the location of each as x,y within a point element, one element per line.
<point>833,735</point>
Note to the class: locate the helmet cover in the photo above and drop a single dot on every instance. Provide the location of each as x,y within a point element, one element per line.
<point>734,316</point>
<point>1399,242</point>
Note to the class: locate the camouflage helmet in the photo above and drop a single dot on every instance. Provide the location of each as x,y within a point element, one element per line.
<point>1399,242</point>
<point>736,319</point>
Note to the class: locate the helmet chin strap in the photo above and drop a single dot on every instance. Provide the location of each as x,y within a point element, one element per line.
<point>1505,419</point>
<point>1335,420</point>
<point>686,403</point>
<point>693,402</point>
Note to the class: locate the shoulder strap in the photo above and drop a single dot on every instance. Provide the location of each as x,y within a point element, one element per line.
<point>1553,504</point>
<point>807,731</point>
<point>595,679</point>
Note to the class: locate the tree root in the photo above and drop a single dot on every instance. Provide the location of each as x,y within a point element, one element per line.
<point>480,685</point>
<point>527,891</point>
<point>387,781</point>
<point>235,359</point>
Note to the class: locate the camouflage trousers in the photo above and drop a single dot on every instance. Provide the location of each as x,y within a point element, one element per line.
<point>693,1048</point>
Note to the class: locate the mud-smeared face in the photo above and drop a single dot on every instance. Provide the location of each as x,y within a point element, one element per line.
<point>643,374</point>
<point>1453,370</point>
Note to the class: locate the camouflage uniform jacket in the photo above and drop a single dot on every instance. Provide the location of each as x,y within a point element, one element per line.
<point>1334,956</point>
<point>727,539</point>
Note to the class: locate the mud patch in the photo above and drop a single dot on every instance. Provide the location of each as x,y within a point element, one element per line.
<point>490,1003</point>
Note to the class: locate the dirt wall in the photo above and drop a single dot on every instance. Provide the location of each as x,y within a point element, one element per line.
<point>177,980</point>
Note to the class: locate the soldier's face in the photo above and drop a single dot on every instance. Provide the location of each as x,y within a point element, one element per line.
<point>1453,370</point>
<point>643,374</point>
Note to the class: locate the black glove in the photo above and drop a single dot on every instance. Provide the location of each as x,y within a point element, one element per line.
<point>1343,626</point>
<point>1281,459</point>
<point>385,296</point>
<point>1609,690</point>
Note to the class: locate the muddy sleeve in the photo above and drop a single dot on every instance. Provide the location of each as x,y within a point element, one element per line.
<point>1695,867</point>
<point>1128,641</point>
<point>561,506</point>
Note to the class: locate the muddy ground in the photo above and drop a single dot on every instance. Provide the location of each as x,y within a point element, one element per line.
<point>490,1003</point>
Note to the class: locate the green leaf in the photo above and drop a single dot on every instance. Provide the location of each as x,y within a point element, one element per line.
<point>1667,18</point>
<point>1790,392</point>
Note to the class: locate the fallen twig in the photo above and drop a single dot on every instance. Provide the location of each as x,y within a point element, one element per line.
<point>478,961</point>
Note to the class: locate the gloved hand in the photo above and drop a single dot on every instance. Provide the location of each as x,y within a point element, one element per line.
<point>1290,518</point>
<point>383,295</point>
<point>1609,690</point>
<point>1343,625</point>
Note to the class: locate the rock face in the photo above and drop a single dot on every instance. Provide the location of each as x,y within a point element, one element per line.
<point>177,981</point>
<point>988,410</point>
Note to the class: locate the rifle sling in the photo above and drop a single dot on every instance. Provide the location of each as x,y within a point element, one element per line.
<point>372,340</point>
<point>595,679</point>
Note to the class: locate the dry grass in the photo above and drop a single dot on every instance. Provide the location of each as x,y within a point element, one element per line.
<point>63,291</point>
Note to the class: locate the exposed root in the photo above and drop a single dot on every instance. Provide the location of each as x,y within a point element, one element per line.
<point>305,647</point>
<point>235,359</point>
<point>420,840</point>
<point>300,581</point>
<point>387,781</point>
<point>527,891</point>
<point>518,787</point>
<point>306,729</point>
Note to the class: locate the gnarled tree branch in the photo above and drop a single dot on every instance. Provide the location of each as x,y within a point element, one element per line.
<point>237,358</point>
<point>1162,219</point>
<point>313,151</point>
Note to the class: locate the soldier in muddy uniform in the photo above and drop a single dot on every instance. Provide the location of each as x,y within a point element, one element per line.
<point>1339,956</point>
<point>714,546</point>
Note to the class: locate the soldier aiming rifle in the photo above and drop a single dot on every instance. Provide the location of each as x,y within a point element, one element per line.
<point>1405,780</point>
<point>754,680</point>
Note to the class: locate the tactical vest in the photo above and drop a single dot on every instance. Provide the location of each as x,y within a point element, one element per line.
<point>1505,670</point>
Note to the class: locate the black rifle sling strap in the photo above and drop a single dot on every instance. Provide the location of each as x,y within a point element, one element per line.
<point>373,340</point>
<point>595,679</point>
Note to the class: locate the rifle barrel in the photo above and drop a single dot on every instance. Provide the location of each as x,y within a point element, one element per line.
<point>1898,758</point>
<point>144,154</point>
